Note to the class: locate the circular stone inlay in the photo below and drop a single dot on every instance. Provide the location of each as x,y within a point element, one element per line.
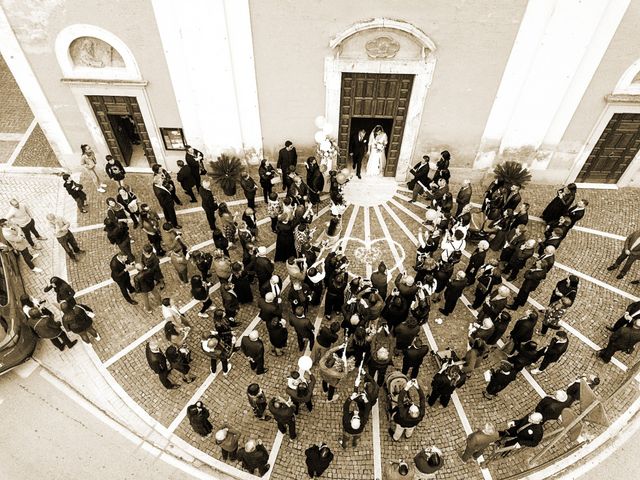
<point>370,191</point>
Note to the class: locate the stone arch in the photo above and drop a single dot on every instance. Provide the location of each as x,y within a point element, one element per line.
<point>96,61</point>
<point>629,82</point>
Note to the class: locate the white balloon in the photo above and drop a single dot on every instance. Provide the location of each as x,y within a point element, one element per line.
<point>327,129</point>
<point>305,363</point>
<point>320,136</point>
<point>320,121</point>
<point>325,145</point>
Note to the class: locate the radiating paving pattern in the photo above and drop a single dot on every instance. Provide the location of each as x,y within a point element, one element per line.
<point>378,226</point>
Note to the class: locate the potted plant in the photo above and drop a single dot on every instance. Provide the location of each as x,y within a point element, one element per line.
<point>512,173</point>
<point>226,173</point>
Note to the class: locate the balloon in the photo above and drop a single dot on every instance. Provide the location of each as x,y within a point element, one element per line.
<point>327,129</point>
<point>320,121</point>
<point>305,363</point>
<point>345,171</point>
<point>319,136</point>
<point>323,168</point>
<point>325,145</point>
<point>341,178</point>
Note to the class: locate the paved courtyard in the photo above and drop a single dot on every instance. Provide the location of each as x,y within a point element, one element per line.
<point>389,228</point>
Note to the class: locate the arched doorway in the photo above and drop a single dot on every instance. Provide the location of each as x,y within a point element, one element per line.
<point>380,74</point>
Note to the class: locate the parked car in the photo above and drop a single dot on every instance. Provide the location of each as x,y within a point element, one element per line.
<point>17,340</point>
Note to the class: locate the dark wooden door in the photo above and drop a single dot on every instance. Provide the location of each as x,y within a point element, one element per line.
<point>124,142</point>
<point>103,106</point>
<point>614,150</point>
<point>374,95</point>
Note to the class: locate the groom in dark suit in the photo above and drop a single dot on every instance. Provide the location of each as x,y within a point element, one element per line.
<point>358,149</point>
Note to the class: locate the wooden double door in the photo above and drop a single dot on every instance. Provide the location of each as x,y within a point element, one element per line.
<point>614,151</point>
<point>373,98</point>
<point>122,125</point>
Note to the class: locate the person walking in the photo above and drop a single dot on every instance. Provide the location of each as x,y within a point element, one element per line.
<point>115,170</point>
<point>18,241</point>
<point>79,320</point>
<point>20,214</point>
<point>478,441</point>
<point>552,352</point>
<point>318,457</point>
<point>89,163</point>
<point>44,325</point>
<point>303,327</point>
<point>630,253</point>
<point>158,364</point>
<point>64,236</point>
<point>283,412</point>
<point>198,416</point>
<point>75,191</point>
<point>500,379</point>
<point>253,348</point>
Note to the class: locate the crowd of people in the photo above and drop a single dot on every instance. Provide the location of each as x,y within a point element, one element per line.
<point>368,337</point>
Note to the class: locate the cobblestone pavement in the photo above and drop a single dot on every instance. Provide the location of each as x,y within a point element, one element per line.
<point>37,152</point>
<point>15,114</point>
<point>121,325</point>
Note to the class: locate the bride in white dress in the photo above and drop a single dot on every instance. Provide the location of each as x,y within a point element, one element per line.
<point>377,158</point>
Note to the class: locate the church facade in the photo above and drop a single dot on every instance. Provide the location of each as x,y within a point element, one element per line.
<point>554,84</point>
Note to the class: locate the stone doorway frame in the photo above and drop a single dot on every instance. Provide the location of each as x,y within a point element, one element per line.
<point>422,70</point>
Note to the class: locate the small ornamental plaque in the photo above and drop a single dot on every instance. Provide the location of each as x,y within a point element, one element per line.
<point>382,47</point>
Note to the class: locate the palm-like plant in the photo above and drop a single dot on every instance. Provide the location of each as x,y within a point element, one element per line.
<point>512,173</point>
<point>226,173</point>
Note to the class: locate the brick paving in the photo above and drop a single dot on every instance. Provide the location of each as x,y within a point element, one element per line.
<point>120,324</point>
<point>37,152</point>
<point>15,114</point>
<point>6,150</point>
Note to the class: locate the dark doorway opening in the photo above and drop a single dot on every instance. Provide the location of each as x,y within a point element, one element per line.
<point>368,124</point>
<point>126,134</point>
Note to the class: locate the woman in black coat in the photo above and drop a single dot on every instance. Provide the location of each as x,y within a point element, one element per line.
<point>200,292</point>
<point>63,291</point>
<point>199,419</point>
<point>560,204</point>
<point>315,180</point>
<point>565,288</point>
<point>266,173</point>
<point>241,283</point>
<point>335,293</point>
<point>278,335</point>
<point>285,243</point>
<point>500,325</point>
<point>523,330</point>
<point>500,228</point>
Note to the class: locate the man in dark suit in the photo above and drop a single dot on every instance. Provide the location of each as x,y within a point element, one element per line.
<point>550,407</point>
<point>526,432</point>
<point>253,348</point>
<point>554,240</point>
<point>420,173</point>
<point>515,238</point>
<point>630,253</point>
<point>495,303</point>
<point>287,158</point>
<point>576,212</point>
<point>158,363</point>
<point>358,149</point>
<point>269,307</point>
<point>464,196</point>
<point>548,257</point>
<point>453,292</point>
<point>532,279</point>
<point>249,187</point>
<point>194,158</point>
<point>166,201</point>
<point>476,261</point>
<point>513,198</point>
<point>630,315</point>
<point>120,275</point>
<point>624,338</point>
<point>186,180</point>
<point>209,204</point>
<point>552,352</point>
<point>489,278</point>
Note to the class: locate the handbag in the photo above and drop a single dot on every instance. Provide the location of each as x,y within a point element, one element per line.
<point>276,180</point>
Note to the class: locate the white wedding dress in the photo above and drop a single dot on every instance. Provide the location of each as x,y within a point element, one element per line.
<point>377,158</point>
